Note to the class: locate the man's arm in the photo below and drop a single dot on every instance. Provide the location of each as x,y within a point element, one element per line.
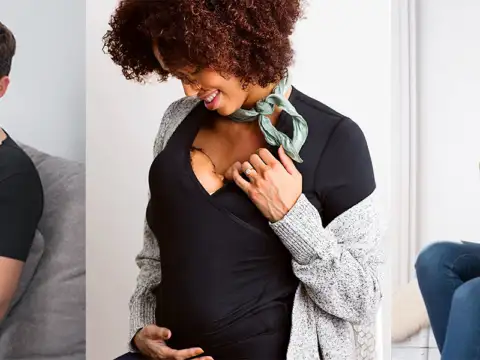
<point>10,271</point>
<point>3,136</point>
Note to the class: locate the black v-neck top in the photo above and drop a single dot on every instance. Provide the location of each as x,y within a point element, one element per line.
<point>21,201</point>
<point>226,277</point>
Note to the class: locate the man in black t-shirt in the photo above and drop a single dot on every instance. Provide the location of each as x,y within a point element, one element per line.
<point>21,196</point>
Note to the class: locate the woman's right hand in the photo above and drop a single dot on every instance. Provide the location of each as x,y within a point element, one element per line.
<point>151,342</point>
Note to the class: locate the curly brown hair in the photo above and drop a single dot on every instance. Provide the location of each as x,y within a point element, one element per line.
<point>248,39</point>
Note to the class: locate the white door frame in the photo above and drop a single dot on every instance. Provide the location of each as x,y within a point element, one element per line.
<point>405,128</point>
<point>402,238</point>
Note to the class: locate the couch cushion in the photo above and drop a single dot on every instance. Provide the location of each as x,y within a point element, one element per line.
<point>48,322</point>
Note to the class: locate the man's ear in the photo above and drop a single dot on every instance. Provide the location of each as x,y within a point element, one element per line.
<point>4,82</point>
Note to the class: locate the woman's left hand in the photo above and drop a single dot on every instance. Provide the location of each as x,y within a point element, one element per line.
<point>274,186</point>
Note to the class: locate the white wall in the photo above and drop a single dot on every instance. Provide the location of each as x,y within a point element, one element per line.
<point>449,115</point>
<point>343,59</point>
<point>448,88</point>
<point>45,104</point>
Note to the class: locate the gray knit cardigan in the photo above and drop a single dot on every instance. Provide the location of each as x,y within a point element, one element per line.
<point>337,267</point>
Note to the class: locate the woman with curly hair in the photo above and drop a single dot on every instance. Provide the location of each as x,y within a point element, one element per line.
<point>280,260</point>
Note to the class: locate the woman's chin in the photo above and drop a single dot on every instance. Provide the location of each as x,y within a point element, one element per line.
<point>224,112</point>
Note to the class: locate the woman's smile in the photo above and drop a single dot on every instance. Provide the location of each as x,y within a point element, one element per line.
<point>212,102</point>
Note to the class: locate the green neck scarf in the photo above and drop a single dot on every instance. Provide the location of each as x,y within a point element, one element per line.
<point>266,107</point>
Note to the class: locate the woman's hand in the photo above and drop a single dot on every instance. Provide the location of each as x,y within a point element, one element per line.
<point>274,186</point>
<point>151,341</point>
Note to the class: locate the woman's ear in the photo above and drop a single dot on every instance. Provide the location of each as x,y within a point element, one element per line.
<point>4,82</point>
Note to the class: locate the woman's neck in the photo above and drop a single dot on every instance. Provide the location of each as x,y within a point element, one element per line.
<point>257,93</point>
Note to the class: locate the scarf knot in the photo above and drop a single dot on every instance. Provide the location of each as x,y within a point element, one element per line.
<point>265,107</point>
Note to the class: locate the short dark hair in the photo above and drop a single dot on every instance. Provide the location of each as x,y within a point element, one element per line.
<point>246,39</point>
<point>7,50</point>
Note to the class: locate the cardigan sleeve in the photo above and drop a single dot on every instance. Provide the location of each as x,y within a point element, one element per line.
<point>338,264</point>
<point>143,302</point>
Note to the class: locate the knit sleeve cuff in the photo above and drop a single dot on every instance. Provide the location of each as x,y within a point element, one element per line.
<point>300,230</point>
<point>142,313</point>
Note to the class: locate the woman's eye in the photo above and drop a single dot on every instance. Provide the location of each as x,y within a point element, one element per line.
<point>191,83</point>
<point>183,79</point>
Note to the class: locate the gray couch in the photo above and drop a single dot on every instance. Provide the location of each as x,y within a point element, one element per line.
<point>46,320</point>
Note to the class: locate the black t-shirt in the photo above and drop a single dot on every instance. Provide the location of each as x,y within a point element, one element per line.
<point>21,201</point>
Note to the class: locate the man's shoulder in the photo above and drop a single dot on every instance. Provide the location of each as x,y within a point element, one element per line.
<point>15,162</point>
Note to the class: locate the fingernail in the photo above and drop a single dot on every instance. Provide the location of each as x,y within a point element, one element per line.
<point>198,352</point>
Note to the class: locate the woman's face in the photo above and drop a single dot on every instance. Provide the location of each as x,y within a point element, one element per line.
<point>218,93</point>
